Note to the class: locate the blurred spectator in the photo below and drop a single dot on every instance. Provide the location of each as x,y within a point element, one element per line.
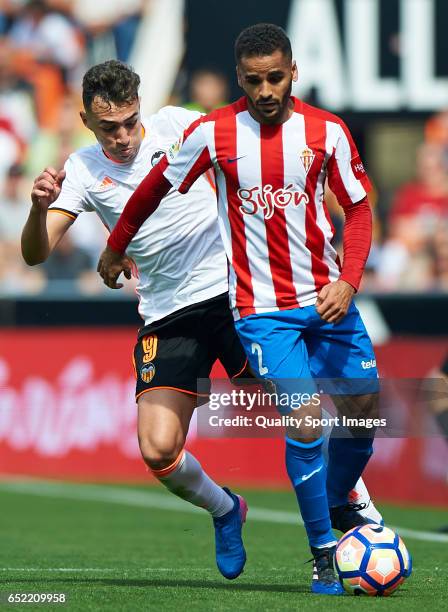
<point>208,90</point>
<point>8,12</point>
<point>50,37</point>
<point>12,148</point>
<point>405,262</point>
<point>110,26</point>
<point>427,197</point>
<point>46,50</point>
<point>16,95</point>
<point>14,206</point>
<point>72,268</point>
<point>89,234</point>
<point>67,261</point>
<point>413,256</point>
<point>436,129</point>
<point>440,255</point>
<point>51,147</point>
<point>15,277</point>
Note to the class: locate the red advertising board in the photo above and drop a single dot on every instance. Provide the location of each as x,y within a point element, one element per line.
<point>67,411</point>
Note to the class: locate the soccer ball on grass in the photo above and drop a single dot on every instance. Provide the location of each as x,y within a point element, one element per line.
<point>372,560</point>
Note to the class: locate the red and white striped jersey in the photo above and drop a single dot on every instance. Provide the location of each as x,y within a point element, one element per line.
<point>270,178</point>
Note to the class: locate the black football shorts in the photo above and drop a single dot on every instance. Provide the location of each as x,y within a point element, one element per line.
<point>175,351</point>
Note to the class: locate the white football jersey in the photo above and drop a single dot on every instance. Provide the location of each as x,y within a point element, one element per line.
<point>178,250</point>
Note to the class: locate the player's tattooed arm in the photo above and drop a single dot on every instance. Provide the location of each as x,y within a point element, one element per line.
<point>111,264</point>
<point>41,234</point>
<point>334,301</point>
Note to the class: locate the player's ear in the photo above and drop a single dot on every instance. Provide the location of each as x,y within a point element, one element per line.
<point>83,116</point>
<point>238,76</point>
<point>295,71</point>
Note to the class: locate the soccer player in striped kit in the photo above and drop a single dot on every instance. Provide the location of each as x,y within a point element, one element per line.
<point>291,297</point>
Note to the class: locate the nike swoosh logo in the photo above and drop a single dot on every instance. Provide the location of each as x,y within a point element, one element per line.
<point>230,160</point>
<point>307,476</point>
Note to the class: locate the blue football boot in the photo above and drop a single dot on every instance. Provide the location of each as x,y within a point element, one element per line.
<point>325,580</point>
<point>230,553</point>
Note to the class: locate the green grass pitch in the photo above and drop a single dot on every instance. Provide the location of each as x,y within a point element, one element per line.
<point>112,548</point>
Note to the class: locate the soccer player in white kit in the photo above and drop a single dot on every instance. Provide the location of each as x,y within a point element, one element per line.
<point>182,282</point>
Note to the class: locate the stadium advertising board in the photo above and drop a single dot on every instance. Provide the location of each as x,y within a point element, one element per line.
<point>69,413</point>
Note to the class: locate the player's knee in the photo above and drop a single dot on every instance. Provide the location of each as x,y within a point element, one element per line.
<point>159,454</point>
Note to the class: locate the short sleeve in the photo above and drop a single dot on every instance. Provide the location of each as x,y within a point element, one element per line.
<point>347,177</point>
<point>187,158</point>
<point>71,200</point>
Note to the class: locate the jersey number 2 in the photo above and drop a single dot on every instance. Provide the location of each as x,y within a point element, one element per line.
<point>256,348</point>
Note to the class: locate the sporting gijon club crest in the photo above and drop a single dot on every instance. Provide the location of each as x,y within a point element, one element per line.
<point>307,158</point>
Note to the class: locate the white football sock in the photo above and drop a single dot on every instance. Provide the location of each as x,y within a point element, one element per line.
<point>186,479</point>
<point>360,495</point>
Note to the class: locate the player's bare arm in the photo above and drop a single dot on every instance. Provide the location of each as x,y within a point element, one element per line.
<point>42,232</point>
<point>334,301</point>
<point>110,265</point>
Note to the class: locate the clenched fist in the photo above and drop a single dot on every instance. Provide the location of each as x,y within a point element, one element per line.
<point>47,187</point>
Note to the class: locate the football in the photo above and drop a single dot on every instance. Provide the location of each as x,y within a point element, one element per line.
<point>372,560</point>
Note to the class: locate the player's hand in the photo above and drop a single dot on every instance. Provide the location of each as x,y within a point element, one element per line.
<point>334,301</point>
<point>110,265</point>
<point>46,188</point>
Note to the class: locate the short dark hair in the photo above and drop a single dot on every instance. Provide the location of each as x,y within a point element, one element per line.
<point>262,39</point>
<point>112,81</point>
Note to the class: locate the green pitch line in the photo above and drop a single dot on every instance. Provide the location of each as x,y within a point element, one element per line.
<point>145,554</point>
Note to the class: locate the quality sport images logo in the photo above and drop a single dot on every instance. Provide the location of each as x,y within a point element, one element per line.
<point>266,199</point>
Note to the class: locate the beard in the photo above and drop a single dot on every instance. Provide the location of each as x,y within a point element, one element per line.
<point>272,112</point>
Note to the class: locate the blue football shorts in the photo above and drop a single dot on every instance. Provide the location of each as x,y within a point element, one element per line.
<point>299,345</point>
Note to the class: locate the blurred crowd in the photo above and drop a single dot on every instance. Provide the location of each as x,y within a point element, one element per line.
<point>45,47</point>
<point>410,238</point>
<point>414,252</point>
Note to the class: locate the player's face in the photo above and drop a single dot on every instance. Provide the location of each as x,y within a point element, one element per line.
<point>117,128</point>
<point>267,82</point>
